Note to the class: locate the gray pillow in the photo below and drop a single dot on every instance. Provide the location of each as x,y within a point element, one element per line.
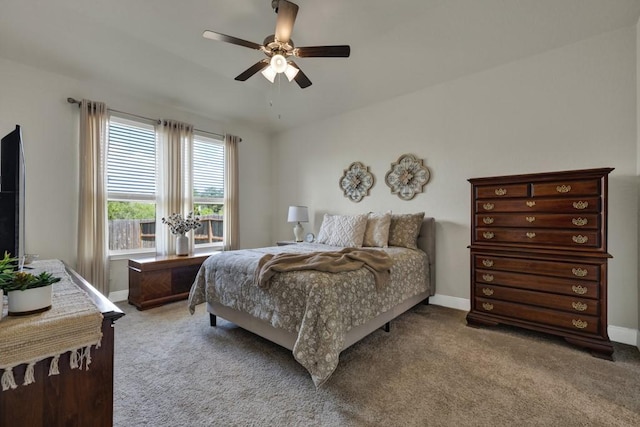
<point>377,232</point>
<point>404,230</point>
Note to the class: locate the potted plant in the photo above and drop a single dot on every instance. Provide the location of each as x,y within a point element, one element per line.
<point>180,226</point>
<point>27,293</point>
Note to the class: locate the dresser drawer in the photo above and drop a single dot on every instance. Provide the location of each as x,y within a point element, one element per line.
<point>536,236</point>
<point>588,221</point>
<point>557,205</point>
<point>574,322</point>
<point>502,191</point>
<point>541,299</point>
<point>584,289</point>
<point>566,188</point>
<point>572,270</point>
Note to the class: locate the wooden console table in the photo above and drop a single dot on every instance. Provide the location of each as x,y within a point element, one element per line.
<point>74,397</point>
<point>158,280</point>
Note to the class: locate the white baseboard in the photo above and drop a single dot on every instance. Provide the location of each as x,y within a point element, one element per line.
<point>450,302</point>
<point>616,333</point>
<point>118,296</point>
<point>623,335</point>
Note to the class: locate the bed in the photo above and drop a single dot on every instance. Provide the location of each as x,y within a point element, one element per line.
<point>317,314</point>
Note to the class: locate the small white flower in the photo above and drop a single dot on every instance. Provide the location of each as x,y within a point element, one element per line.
<point>179,225</point>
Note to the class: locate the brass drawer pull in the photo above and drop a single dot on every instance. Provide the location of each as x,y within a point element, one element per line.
<point>580,324</point>
<point>531,235</point>
<point>501,191</point>
<point>580,239</point>
<point>563,188</point>
<point>579,272</point>
<point>487,263</point>
<point>487,291</point>
<point>488,235</point>
<point>530,203</point>
<point>488,206</point>
<point>579,306</point>
<point>581,205</point>
<point>579,221</point>
<point>488,306</point>
<point>580,290</point>
<point>487,277</point>
<point>530,218</point>
<point>487,220</point>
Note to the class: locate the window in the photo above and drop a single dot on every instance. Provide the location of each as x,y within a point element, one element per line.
<point>208,190</point>
<point>131,185</point>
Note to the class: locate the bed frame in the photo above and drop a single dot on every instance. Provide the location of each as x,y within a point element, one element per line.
<point>426,242</point>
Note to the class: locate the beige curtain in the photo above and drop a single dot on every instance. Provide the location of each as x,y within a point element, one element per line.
<point>175,183</point>
<point>93,256</point>
<point>231,211</point>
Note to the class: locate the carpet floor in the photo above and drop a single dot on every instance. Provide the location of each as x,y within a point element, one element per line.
<point>173,369</point>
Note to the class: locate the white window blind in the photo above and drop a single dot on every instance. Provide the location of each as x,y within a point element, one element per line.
<point>131,160</point>
<point>208,169</point>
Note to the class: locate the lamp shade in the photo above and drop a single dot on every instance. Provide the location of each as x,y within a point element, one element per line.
<point>298,214</point>
<point>269,74</point>
<point>291,72</point>
<point>278,63</point>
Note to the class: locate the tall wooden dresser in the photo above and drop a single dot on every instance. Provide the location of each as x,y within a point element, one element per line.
<point>539,255</point>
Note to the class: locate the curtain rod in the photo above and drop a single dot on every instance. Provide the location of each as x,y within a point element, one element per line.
<point>75,101</point>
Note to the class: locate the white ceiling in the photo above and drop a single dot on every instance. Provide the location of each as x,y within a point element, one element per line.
<point>155,49</point>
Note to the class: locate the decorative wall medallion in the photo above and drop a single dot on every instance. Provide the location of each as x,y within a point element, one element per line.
<point>407,177</point>
<point>356,181</point>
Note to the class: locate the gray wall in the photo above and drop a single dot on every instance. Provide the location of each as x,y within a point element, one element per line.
<point>36,100</point>
<point>569,108</point>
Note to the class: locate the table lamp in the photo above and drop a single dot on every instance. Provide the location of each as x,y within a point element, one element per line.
<point>298,214</point>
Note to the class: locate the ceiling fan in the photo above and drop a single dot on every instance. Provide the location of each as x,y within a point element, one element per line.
<point>279,48</point>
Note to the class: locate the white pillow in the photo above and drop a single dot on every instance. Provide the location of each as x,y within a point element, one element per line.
<point>377,231</point>
<point>343,230</point>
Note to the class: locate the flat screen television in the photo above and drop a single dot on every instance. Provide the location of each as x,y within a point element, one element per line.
<point>12,186</point>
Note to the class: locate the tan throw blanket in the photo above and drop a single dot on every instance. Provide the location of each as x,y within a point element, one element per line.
<point>348,259</point>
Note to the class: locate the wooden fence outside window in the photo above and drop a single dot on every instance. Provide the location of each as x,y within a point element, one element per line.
<point>141,233</point>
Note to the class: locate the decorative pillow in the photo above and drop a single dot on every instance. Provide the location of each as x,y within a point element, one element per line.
<point>404,230</point>
<point>377,231</point>
<point>343,230</point>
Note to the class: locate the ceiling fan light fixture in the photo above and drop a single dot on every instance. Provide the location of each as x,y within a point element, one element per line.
<point>291,72</point>
<point>269,74</point>
<point>278,63</point>
<point>280,49</point>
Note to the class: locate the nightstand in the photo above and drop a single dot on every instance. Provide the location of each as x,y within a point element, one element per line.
<point>286,242</point>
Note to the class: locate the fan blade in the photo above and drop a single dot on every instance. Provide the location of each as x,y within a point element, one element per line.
<point>258,66</point>
<point>340,51</point>
<point>301,78</point>
<point>212,35</point>
<point>287,12</point>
